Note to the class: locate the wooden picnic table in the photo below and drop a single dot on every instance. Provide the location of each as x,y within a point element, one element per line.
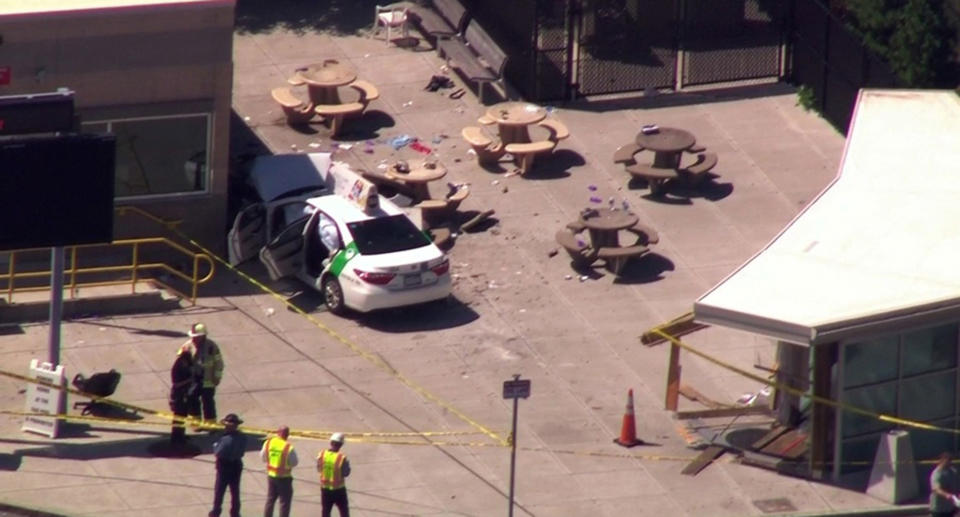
<point>514,118</point>
<point>605,224</point>
<point>667,144</point>
<point>420,174</point>
<point>323,79</point>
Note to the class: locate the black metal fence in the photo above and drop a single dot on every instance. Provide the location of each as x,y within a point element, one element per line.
<point>561,49</point>
<point>566,48</point>
<point>832,61</point>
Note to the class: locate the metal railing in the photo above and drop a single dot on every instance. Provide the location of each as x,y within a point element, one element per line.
<point>138,269</point>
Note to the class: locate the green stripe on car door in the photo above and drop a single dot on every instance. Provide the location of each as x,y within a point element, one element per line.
<point>342,257</point>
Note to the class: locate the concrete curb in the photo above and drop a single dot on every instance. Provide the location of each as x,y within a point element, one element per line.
<point>896,511</point>
<point>98,305</point>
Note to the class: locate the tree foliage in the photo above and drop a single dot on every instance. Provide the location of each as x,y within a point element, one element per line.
<point>912,35</point>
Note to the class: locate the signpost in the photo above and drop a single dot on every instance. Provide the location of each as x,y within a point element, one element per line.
<point>515,389</point>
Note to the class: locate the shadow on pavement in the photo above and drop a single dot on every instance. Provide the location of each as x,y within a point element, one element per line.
<point>437,315</point>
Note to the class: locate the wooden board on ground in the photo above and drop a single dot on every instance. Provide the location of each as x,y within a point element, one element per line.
<point>692,394</point>
<point>790,445</point>
<point>703,459</point>
<point>723,412</point>
<point>768,438</point>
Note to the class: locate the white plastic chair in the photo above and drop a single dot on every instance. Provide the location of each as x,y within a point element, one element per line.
<point>391,17</point>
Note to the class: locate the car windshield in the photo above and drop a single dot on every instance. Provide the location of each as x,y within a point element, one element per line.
<point>386,235</point>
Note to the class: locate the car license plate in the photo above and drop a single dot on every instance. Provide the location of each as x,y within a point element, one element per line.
<point>410,280</point>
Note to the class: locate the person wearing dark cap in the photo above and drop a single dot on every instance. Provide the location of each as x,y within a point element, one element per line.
<point>279,455</point>
<point>229,450</point>
<point>181,385</point>
<point>334,468</point>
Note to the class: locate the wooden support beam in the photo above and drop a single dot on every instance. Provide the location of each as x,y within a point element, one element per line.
<point>673,379</point>
<point>824,357</point>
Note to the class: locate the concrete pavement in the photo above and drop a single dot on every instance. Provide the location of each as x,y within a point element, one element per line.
<point>515,311</point>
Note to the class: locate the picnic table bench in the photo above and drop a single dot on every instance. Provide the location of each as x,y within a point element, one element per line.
<point>655,177</point>
<point>475,55</point>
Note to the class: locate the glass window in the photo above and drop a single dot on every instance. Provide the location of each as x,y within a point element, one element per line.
<point>859,453</point>
<point>929,349</point>
<point>928,397</point>
<point>872,361</point>
<point>878,399</point>
<point>155,156</point>
<point>386,235</point>
<point>927,445</point>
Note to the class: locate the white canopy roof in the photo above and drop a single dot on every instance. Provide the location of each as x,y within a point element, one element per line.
<point>878,249</point>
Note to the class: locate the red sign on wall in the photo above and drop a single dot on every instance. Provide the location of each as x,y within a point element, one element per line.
<point>4,75</point>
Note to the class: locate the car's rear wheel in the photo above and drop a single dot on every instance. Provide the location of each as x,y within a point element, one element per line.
<point>333,296</point>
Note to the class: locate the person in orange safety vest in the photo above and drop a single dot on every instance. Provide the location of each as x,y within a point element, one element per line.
<point>278,453</point>
<point>334,468</point>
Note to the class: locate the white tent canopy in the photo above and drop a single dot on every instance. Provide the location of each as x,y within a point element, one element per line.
<point>878,249</point>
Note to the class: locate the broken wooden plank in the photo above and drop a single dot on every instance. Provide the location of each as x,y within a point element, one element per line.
<point>723,412</point>
<point>703,459</point>
<point>692,394</point>
<point>768,438</point>
<point>677,327</point>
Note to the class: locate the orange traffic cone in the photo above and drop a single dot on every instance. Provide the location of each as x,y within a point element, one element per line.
<point>628,430</point>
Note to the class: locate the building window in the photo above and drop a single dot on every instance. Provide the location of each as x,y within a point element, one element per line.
<point>159,156</point>
<point>912,375</point>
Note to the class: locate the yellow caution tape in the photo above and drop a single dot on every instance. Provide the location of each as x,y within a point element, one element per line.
<point>794,391</point>
<point>377,361</point>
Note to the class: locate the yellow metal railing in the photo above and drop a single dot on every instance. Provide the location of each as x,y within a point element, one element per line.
<point>130,272</point>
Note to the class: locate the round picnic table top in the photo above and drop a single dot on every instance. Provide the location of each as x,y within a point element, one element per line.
<point>607,219</point>
<point>422,172</point>
<point>329,73</point>
<point>666,139</point>
<point>516,113</point>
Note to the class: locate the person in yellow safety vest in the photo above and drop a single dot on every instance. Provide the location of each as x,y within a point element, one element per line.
<point>334,468</point>
<point>278,453</point>
<point>208,371</point>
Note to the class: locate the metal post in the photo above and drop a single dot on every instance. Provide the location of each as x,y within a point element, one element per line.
<point>56,304</point>
<point>513,449</point>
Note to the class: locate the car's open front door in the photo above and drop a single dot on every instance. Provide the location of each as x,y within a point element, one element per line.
<point>284,255</point>
<point>248,235</point>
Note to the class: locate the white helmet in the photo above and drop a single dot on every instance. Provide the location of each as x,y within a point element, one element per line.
<point>198,329</point>
<point>337,438</point>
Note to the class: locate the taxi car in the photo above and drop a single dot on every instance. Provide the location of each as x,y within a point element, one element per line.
<point>338,235</point>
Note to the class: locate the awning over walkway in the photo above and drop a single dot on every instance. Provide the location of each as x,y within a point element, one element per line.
<point>878,249</point>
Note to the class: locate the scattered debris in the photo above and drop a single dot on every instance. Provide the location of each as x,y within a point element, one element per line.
<point>246,119</point>
<point>553,253</point>
<point>456,94</point>
<point>437,82</point>
<point>568,277</point>
<point>345,147</point>
<point>400,141</point>
<point>314,144</point>
<point>476,220</point>
<point>504,189</point>
<point>420,148</point>
<point>584,278</point>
